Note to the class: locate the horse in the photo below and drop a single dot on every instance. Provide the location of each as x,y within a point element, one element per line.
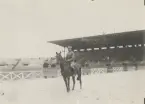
<point>66,72</point>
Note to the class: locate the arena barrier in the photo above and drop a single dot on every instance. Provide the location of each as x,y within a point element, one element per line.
<point>118,69</point>
<point>51,72</point>
<point>17,75</point>
<point>98,70</point>
<point>102,70</point>
<point>86,71</point>
<point>55,72</point>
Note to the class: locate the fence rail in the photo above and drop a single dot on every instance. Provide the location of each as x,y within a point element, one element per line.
<point>20,75</point>
<point>17,75</point>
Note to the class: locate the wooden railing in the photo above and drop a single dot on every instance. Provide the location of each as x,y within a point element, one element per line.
<point>55,72</point>
<point>17,75</point>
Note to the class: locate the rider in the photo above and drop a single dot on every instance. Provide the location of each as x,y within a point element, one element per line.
<point>70,57</point>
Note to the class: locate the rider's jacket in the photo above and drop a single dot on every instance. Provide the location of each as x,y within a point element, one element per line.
<point>70,56</point>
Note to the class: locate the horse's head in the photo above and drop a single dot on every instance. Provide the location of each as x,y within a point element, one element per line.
<point>59,57</point>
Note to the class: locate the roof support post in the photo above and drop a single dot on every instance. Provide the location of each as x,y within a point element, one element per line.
<point>100,48</point>
<point>133,46</point>
<point>124,46</point>
<point>142,45</point>
<point>108,47</point>
<point>64,52</point>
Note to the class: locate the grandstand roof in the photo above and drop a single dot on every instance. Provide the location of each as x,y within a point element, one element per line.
<point>123,38</point>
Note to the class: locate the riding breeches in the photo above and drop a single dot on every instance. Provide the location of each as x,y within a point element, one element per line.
<point>73,64</point>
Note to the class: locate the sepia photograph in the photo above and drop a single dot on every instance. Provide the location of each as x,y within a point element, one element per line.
<point>72,52</point>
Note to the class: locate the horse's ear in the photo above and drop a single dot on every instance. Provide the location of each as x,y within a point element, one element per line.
<point>60,52</point>
<point>56,53</point>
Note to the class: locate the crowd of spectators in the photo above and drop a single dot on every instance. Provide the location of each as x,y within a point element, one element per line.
<point>99,58</point>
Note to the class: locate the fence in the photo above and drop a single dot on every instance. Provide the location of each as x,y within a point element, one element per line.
<point>17,75</point>
<point>51,72</point>
<point>112,69</point>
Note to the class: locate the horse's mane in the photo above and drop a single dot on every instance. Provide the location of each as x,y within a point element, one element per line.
<point>62,66</point>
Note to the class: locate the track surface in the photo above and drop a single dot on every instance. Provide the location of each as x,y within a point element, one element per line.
<point>113,88</point>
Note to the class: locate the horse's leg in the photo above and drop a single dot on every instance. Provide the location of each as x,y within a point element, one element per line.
<point>65,80</point>
<point>80,79</point>
<point>68,84</point>
<point>73,78</point>
<point>78,74</point>
<point>80,83</point>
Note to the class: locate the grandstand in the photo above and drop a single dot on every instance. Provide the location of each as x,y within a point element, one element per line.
<point>120,54</point>
<point>124,47</point>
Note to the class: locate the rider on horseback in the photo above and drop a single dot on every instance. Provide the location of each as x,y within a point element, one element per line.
<point>70,57</point>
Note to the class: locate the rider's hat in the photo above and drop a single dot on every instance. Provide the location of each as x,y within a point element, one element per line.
<point>70,47</point>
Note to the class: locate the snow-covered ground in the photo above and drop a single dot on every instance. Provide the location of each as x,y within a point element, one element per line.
<point>113,88</point>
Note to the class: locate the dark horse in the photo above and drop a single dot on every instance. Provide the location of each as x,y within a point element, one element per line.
<point>67,72</point>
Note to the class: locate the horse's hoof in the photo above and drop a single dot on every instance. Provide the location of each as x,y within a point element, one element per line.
<point>78,78</point>
<point>68,90</point>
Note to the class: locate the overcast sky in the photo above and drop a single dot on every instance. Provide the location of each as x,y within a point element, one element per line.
<point>27,25</point>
